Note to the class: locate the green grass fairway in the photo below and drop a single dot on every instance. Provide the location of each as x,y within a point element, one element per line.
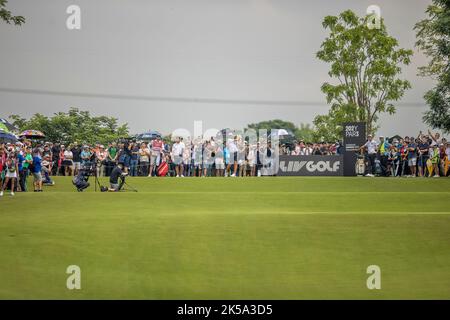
<point>217,238</point>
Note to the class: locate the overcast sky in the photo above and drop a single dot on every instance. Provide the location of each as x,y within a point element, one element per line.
<point>161,64</point>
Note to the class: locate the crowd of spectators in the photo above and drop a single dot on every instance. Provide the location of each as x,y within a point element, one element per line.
<point>424,155</point>
<point>302,148</point>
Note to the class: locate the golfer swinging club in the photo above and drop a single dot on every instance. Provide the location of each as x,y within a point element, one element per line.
<point>114,178</point>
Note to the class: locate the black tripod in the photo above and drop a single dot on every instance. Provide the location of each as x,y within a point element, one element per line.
<point>124,186</point>
<point>95,174</point>
<point>97,182</point>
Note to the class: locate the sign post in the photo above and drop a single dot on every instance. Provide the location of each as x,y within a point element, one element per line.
<point>354,137</point>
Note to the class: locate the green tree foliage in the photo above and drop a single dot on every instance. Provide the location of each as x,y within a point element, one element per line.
<point>433,38</point>
<point>7,16</point>
<point>303,132</point>
<point>366,62</point>
<point>273,124</point>
<point>74,125</point>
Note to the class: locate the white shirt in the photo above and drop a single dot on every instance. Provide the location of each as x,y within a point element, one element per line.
<point>68,155</point>
<point>371,146</point>
<point>232,147</point>
<point>143,154</point>
<point>177,148</point>
<point>308,151</point>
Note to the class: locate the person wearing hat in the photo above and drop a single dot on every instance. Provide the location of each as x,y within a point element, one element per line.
<point>101,156</point>
<point>383,149</point>
<point>85,155</point>
<point>177,156</point>
<point>371,146</point>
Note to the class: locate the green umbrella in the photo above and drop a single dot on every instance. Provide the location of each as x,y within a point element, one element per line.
<point>3,127</point>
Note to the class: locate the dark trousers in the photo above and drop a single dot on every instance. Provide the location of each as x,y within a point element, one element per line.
<point>371,161</point>
<point>384,164</point>
<point>143,168</point>
<point>23,174</point>
<point>109,166</point>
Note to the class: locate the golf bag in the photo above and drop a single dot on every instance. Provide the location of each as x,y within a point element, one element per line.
<point>378,169</point>
<point>163,169</point>
<point>394,165</point>
<point>360,166</point>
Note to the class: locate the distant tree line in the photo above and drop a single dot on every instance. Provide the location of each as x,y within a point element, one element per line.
<point>74,125</point>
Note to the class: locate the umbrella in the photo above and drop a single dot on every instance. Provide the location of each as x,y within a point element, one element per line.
<point>281,132</point>
<point>5,123</point>
<point>32,134</point>
<point>7,137</point>
<point>149,135</point>
<point>3,127</point>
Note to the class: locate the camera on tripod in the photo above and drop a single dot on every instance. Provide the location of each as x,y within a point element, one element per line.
<point>88,169</point>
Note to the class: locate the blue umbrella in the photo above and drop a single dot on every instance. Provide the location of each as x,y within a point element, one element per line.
<point>7,137</point>
<point>149,135</point>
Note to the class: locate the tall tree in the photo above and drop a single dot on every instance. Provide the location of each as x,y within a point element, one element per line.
<point>7,16</point>
<point>433,38</point>
<point>74,125</point>
<point>366,62</point>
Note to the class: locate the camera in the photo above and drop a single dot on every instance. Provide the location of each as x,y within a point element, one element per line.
<point>81,180</point>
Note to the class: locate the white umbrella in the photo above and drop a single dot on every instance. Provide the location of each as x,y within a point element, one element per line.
<point>280,132</point>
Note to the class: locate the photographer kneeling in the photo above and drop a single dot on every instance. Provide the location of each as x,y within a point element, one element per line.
<point>114,178</point>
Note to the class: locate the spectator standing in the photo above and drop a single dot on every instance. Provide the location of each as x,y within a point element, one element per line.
<point>85,155</point>
<point>25,167</point>
<point>435,157</point>
<point>101,156</point>
<point>384,147</point>
<point>371,146</point>
<point>36,171</point>
<point>157,146</point>
<point>11,167</point>
<point>76,151</point>
<point>233,150</point>
<point>144,160</point>
<point>177,156</point>
<point>68,162</point>
<point>423,151</point>
<point>134,159</point>
<point>125,156</point>
<point>219,162</point>
<point>56,151</point>
<point>412,156</point>
<point>111,158</point>
<point>20,173</point>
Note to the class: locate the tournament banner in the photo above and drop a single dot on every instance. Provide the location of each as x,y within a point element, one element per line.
<point>354,135</point>
<point>311,165</point>
<point>354,138</point>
